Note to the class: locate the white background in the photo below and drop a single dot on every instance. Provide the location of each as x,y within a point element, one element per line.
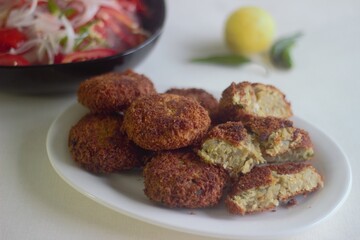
<point>35,203</point>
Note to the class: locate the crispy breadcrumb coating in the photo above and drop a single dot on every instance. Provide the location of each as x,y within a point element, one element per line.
<point>279,140</point>
<point>165,121</point>
<point>97,145</point>
<point>178,179</point>
<point>207,100</point>
<point>113,92</point>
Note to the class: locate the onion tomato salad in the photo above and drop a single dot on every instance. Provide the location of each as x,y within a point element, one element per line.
<point>63,31</point>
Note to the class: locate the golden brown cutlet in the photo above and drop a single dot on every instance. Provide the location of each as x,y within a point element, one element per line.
<point>165,121</point>
<point>230,146</point>
<point>97,144</point>
<point>279,140</point>
<point>207,100</point>
<point>178,179</point>
<point>113,92</point>
<point>254,99</point>
<point>265,187</point>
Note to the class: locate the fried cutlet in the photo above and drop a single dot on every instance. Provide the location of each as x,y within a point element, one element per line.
<point>279,140</point>
<point>97,144</point>
<point>113,92</point>
<point>229,145</point>
<point>207,100</point>
<point>178,179</point>
<point>254,99</point>
<point>265,187</point>
<point>165,122</point>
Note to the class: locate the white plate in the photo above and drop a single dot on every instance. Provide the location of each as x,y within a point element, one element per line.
<point>124,192</point>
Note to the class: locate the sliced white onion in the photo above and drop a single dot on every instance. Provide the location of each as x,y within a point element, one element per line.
<point>17,19</point>
<point>91,7</point>
<point>45,51</point>
<point>70,34</point>
<point>90,10</point>
<point>46,23</point>
<point>22,17</point>
<point>25,46</point>
<point>50,52</point>
<point>112,4</point>
<point>41,50</point>
<point>32,8</point>
<point>54,43</point>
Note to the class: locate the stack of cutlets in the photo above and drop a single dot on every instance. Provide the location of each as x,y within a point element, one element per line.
<point>261,149</point>
<point>192,150</point>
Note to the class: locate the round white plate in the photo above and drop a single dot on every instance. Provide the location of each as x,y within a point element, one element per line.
<point>124,192</point>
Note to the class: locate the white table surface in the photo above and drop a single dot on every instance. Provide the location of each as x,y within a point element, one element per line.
<point>35,203</point>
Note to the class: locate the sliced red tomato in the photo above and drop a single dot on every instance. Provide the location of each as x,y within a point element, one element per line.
<point>121,29</point>
<point>139,5</point>
<point>13,60</point>
<point>58,58</point>
<point>19,3</point>
<point>88,55</point>
<point>10,38</point>
<point>106,13</point>
<point>118,35</point>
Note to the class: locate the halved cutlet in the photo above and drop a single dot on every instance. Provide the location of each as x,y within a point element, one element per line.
<point>255,99</point>
<point>265,187</point>
<point>231,147</point>
<point>279,140</point>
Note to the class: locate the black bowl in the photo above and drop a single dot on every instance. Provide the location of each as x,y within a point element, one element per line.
<point>61,78</point>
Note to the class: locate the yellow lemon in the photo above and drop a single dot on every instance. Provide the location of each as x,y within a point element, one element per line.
<point>249,30</point>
